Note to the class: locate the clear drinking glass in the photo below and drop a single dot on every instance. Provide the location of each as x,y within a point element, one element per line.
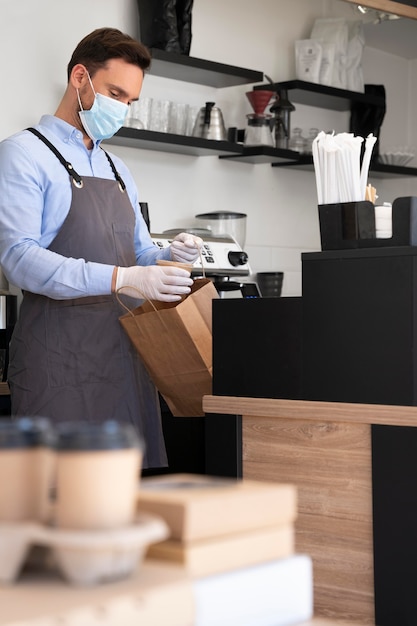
<point>193,111</point>
<point>178,114</point>
<point>160,115</point>
<point>297,141</point>
<point>139,114</point>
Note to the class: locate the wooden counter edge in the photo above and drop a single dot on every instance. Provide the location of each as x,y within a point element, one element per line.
<point>311,410</point>
<point>328,621</point>
<point>4,389</point>
<point>388,6</point>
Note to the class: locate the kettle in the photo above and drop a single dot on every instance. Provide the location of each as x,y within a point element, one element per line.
<point>209,123</point>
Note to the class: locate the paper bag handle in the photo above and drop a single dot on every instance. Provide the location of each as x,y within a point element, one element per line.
<point>141,295</point>
<point>201,261</point>
<point>144,298</point>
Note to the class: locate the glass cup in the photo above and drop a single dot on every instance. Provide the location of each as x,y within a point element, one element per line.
<point>192,114</point>
<point>139,114</point>
<point>178,114</point>
<point>270,283</point>
<point>159,117</point>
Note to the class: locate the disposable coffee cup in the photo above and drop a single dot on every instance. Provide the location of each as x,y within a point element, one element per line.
<point>26,469</point>
<point>97,475</point>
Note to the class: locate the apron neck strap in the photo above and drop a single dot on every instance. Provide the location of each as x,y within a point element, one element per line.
<point>115,172</point>
<point>76,178</point>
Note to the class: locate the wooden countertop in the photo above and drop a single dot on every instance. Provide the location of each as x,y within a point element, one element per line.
<point>388,6</point>
<point>323,621</point>
<point>156,593</point>
<point>4,389</point>
<point>309,410</point>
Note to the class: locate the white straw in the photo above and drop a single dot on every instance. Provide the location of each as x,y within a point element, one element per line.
<point>317,167</point>
<point>339,176</point>
<point>369,146</point>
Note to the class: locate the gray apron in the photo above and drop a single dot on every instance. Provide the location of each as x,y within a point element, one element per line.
<point>71,359</point>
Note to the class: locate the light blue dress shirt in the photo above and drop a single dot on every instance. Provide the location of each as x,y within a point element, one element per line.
<point>35,198</point>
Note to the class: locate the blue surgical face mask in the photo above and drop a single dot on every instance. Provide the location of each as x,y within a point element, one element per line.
<point>105,117</point>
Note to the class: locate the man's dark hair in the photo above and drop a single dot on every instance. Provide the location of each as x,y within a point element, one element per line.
<point>104,44</point>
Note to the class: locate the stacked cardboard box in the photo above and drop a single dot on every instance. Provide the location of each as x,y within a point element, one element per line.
<point>236,540</point>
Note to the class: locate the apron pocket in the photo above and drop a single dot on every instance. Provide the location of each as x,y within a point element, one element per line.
<point>84,343</point>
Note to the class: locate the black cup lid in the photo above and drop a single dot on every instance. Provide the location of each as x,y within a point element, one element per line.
<point>221,215</point>
<point>26,432</point>
<point>108,435</point>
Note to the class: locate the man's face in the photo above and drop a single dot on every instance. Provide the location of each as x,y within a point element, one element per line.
<point>118,80</point>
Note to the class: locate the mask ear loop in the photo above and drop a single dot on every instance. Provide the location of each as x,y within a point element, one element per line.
<point>79,100</point>
<point>91,82</point>
<point>92,87</point>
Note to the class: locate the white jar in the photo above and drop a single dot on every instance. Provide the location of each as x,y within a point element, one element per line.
<point>383,221</point>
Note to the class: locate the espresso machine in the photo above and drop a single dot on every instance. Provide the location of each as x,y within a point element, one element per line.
<point>223,261</point>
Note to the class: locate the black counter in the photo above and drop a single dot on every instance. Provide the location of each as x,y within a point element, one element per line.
<point>360,325</point>
<point>257,347</point>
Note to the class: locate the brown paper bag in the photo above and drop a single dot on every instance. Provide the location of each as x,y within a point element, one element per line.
<point>174,340</point>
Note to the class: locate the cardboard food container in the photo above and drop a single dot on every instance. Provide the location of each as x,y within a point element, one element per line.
<point>201,507</point>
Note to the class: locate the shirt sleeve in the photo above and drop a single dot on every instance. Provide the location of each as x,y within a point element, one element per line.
<point>25,262</point>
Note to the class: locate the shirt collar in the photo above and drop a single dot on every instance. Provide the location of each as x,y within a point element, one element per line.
<point>63,130</point>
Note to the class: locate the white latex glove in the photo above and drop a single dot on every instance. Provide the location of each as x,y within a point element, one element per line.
<point>186,248</point>
<point>166,283</point>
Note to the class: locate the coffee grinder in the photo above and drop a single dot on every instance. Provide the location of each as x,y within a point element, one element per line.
<point>282,109</point>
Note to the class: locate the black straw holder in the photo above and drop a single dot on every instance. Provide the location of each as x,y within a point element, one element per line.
<point>346,224</point>
<point>352,225</point>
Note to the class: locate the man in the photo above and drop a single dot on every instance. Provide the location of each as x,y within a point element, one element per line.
<point>71,236</point>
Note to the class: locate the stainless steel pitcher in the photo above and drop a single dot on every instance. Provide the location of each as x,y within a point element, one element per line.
<point>209,123</point>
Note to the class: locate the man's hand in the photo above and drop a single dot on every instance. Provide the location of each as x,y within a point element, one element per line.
<point>167,283</point>
<point>186,248</point>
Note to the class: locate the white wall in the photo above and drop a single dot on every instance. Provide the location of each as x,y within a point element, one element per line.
<point>37,39</point>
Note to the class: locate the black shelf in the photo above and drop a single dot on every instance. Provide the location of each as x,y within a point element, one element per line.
<point>301,162</point>
<point>177,144</point>
<point>376,170</point>
<point>200,71</point>
<point>322,96</point>
<point>195,146</point>
<point>381,170</point>
<point>264,154</point>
